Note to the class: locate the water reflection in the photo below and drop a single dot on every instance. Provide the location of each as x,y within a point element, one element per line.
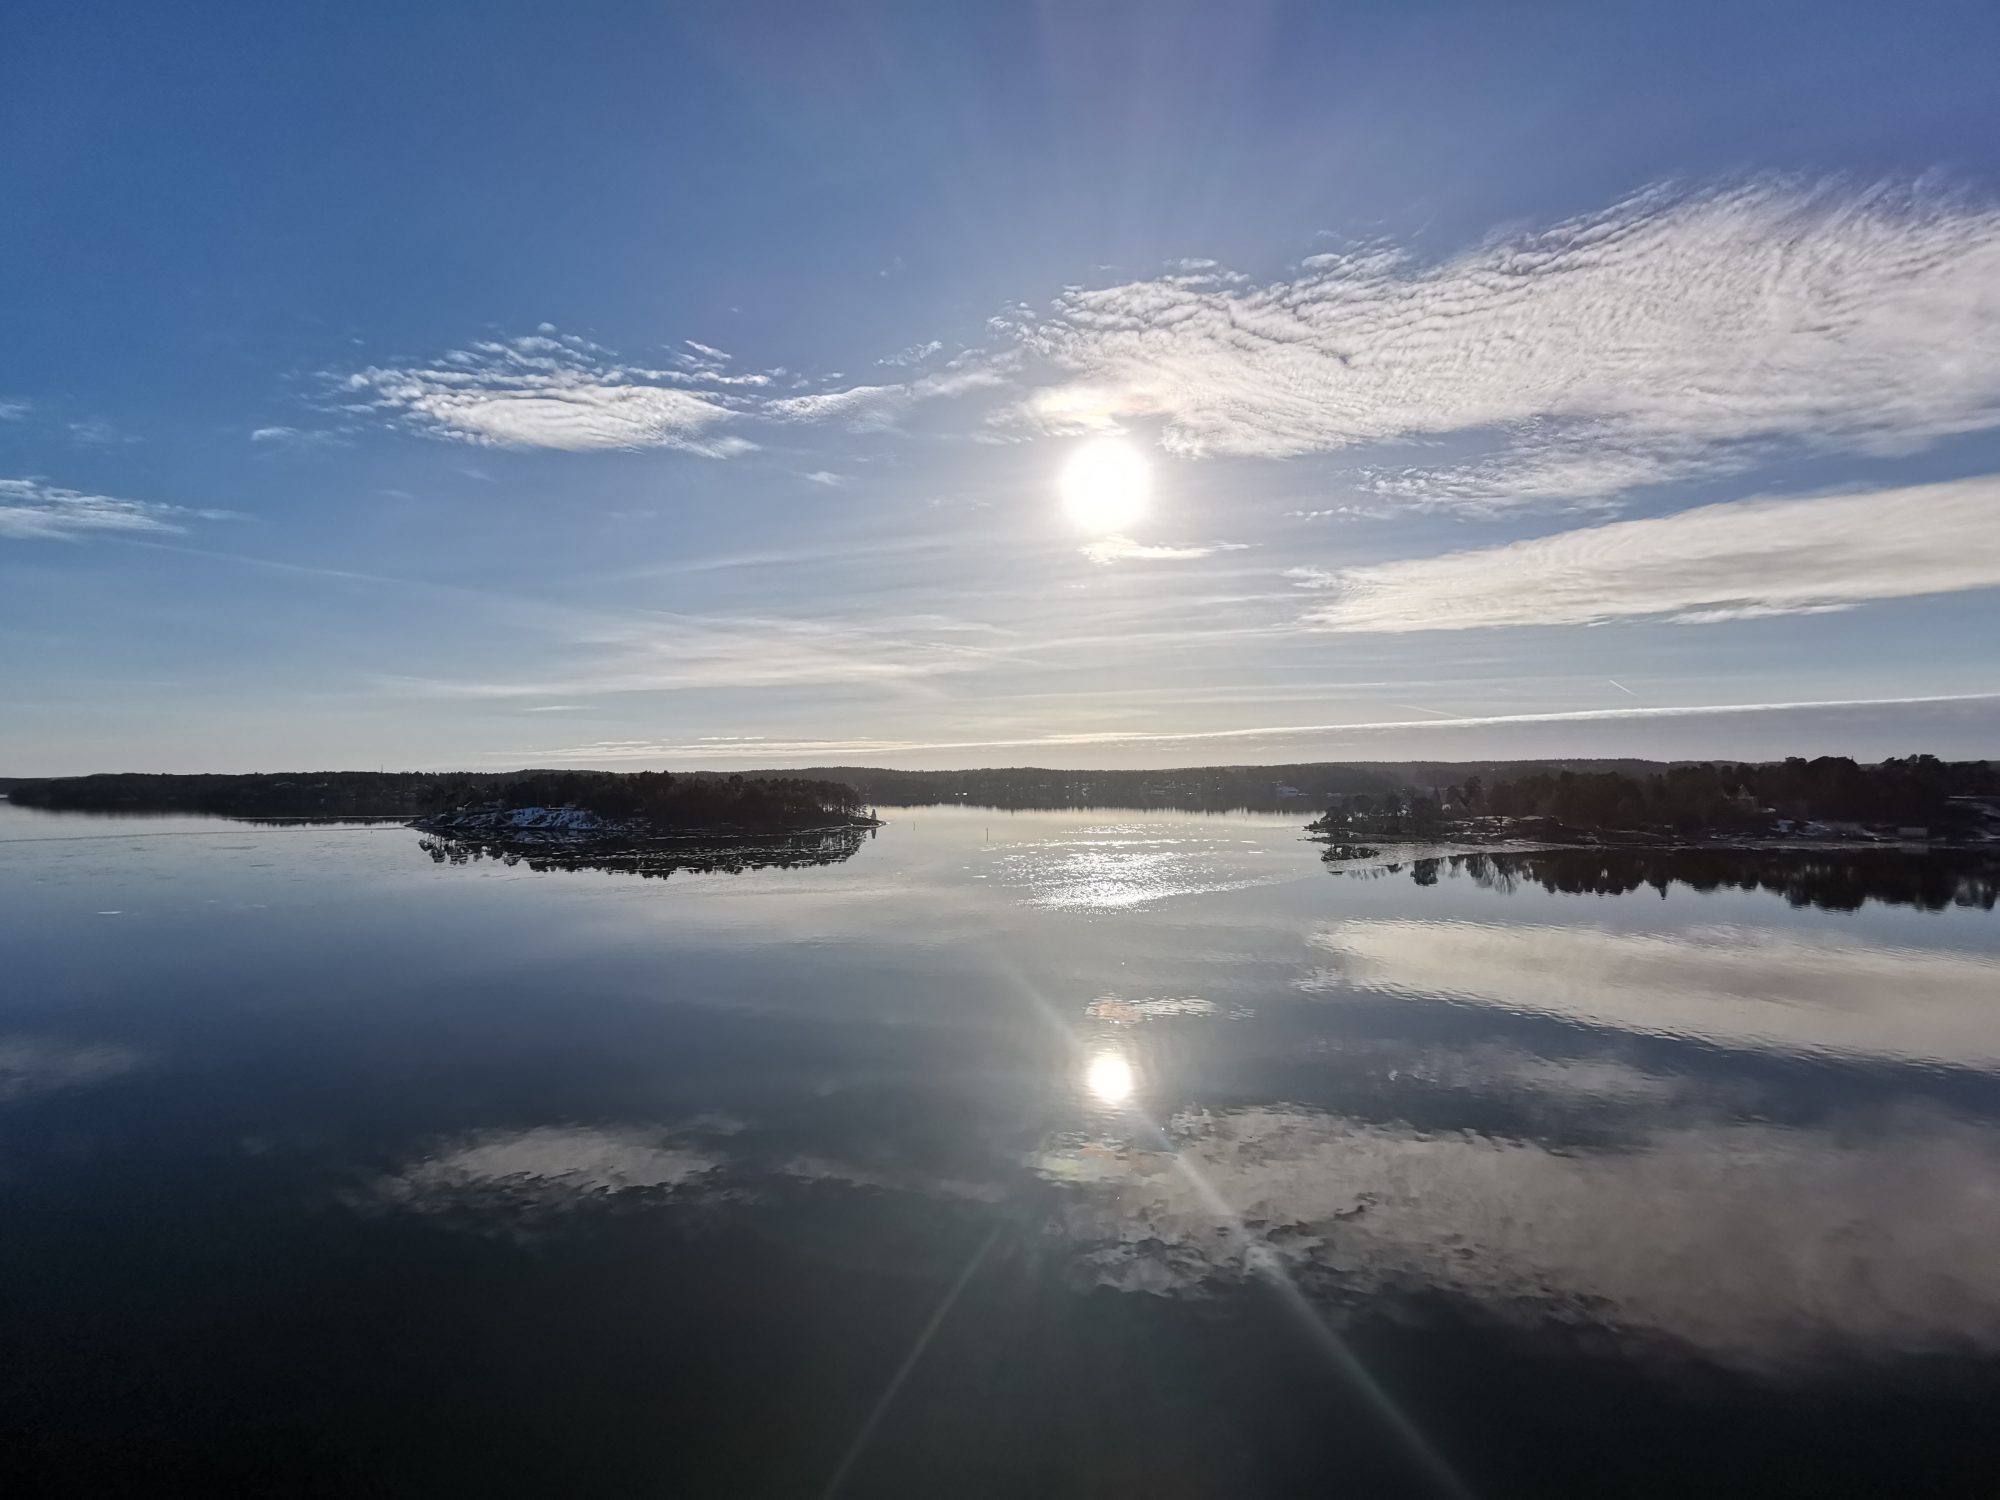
<point>1122,866</point>
<point>1755,1244</point>
<point>1832,880</point>
<point>1109,1078</point>
<point>1740,986</point>
<point>508,1176</point>
<point>658,859</point>
<point>1116,1011</point>
<point>34,1065</point>
<point>669,1180</point>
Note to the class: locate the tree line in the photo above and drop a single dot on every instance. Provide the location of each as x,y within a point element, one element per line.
<point>676,800</point>
<point>1915,790</point>
<point>693,799</point>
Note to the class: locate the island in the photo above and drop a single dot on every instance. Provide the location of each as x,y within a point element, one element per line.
<point>571,808</point>
<point>520,808</point>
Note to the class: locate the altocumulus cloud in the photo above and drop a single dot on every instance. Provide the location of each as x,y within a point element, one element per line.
<point>1737,560</point>
<point>550,390</point>
<point>544,391</point>
<point>1673,333</point>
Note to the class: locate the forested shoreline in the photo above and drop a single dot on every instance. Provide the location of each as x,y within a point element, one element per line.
<point>1914,796</point>
<point>660,800</point>
<point>1917,796</point>
<point>1287,787</point>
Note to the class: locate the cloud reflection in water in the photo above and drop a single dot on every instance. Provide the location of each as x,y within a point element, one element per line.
<point>1740,986</point>
<point>1754,1244</point>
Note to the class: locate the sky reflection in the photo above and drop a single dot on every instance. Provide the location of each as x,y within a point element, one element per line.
<point>1734,984</point>
<point>1753,1244</point>
<point>1716,1132</point>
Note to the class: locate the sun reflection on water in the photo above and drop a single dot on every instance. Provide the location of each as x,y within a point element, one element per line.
<point>1109,1078</point>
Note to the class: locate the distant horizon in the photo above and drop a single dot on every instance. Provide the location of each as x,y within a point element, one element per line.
<point>830,768</point>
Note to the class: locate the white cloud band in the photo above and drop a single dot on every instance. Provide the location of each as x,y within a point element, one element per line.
<point>1738,560</point>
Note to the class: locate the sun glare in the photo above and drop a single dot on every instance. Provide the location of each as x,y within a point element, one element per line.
<point>1105,485</point>
<point>1109,1077</point>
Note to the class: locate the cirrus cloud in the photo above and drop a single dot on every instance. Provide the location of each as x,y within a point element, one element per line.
<point>1671,334</point>
<point>31,510</point>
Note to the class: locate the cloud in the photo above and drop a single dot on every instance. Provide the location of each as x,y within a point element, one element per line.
<point>916,354</point>
<point>561,392</point>
<point>1577,468</point>
<point>1113,549</point>
<point>295,437</point>
<point>33,511</point>
<point>862,405</point>
<point>828,478</point>
<point>14,411</point>
<point>1671,333</point>
<point>565,392</point>
<point>1738,560</point>
<point>873,407</point>
<point>95,432</point>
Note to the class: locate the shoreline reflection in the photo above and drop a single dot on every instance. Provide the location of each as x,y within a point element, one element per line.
<point>1830,879</point>
<point>658,859</point>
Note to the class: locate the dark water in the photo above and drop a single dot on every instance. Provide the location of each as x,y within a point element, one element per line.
<point>1121,1154</point>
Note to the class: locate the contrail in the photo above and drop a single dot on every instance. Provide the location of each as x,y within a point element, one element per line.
<point>1621,686</point>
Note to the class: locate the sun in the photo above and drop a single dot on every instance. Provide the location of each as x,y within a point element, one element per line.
<point>1106,485</point>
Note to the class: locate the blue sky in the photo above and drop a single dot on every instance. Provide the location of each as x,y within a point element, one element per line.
<point>644,385</point>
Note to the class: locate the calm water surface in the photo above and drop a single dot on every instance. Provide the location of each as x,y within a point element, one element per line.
<point>1038,1153</point>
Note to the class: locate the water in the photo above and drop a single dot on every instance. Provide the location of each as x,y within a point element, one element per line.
<point>1006,1153</point>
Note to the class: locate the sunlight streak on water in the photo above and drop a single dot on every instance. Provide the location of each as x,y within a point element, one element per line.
<point>1118,868</point>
